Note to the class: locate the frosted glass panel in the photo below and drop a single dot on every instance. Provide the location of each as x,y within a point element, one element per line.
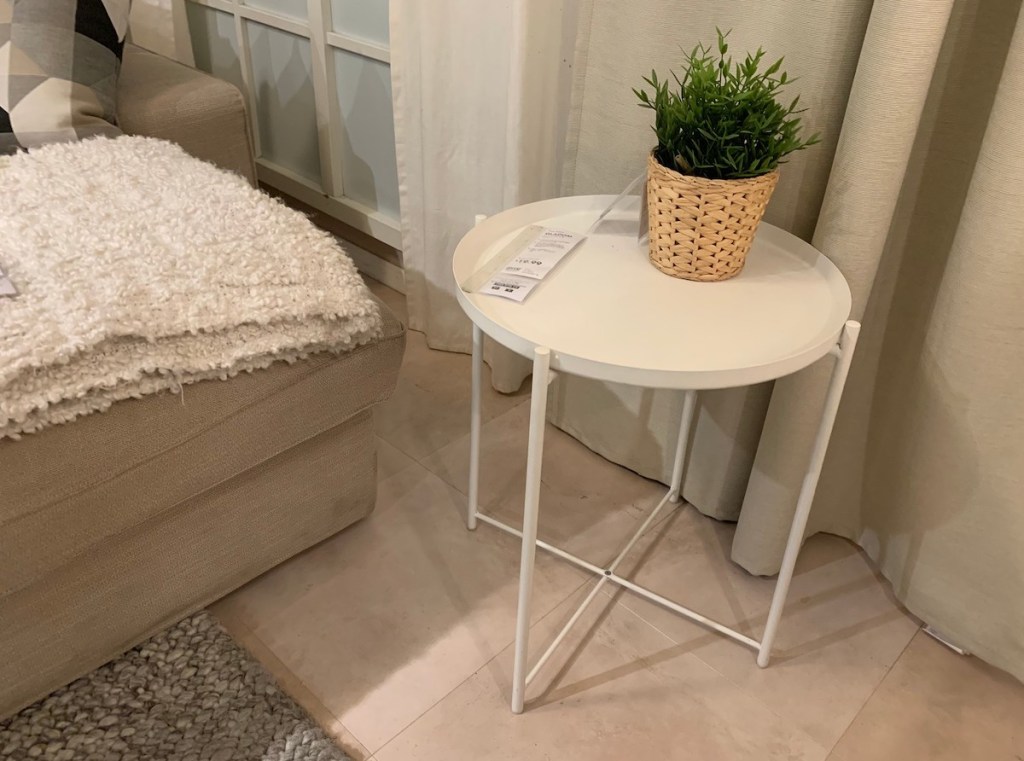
<point>361,18</point>
<point>369,170</point>
<point>283,92</point>
<point>293,8</point>
<point>214,43</point>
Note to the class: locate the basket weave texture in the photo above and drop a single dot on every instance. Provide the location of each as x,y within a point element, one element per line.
<point>702,229</point>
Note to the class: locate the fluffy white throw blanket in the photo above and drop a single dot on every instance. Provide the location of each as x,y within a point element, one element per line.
<point>141,269</point>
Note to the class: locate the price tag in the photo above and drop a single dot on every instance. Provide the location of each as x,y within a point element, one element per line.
<point>6,286</point>
<point>510,287</point>
<point>532,264</point>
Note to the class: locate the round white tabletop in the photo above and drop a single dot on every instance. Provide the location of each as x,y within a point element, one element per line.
<point>605,312</point>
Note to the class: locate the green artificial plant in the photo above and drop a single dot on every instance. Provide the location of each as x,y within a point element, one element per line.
<point>724,121</point>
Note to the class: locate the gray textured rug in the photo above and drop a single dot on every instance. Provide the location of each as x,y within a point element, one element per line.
<point>188,694</point>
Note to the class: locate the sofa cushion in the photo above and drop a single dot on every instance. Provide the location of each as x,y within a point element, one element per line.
<point>70,487</point>
<point>59,79</point>
<point>158,97</point>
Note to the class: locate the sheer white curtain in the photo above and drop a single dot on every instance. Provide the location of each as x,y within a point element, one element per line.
<point>481,94</point>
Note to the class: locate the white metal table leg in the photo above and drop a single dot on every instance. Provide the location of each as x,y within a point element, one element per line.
<point>847,343</point>
<point>531,507</point>
<point>474,427</point>
<point>685,423</point>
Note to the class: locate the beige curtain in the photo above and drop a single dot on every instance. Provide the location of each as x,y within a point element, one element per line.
<point>917,194</point>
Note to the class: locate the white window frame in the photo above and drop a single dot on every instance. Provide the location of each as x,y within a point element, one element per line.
<point>328,197</point>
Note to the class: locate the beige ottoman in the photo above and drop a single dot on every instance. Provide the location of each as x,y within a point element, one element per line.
<point>118,524</point>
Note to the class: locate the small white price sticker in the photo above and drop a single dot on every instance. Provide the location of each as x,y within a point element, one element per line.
<point>510,287</point>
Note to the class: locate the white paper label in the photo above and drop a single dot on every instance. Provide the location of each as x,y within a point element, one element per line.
<point>6,286</point>
<point>509,287</point>
<point>523,272</point>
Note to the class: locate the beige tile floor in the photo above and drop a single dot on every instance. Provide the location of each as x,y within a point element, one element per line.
<point>396,634</point>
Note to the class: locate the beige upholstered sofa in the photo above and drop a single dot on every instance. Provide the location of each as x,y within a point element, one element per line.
<point>118,524</point>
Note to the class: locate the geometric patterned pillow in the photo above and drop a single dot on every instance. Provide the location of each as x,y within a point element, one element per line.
<point>59,61</point>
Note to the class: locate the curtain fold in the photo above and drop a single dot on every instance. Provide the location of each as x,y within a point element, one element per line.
<point>852,228</point>
<point>944,468</point>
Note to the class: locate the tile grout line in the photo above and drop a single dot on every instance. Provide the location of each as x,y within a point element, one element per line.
<point>427,456</point>
<point>430,454</point>
<point>420,461</point>
<point>647,660</point>
<point>462,489</point>
<point>752,696</point>
<point>310,694</point>
<point>483,666</point>
<point>828,749</point>
<point>412,461</point>
<point>877,687</point>
<point>393,444</point>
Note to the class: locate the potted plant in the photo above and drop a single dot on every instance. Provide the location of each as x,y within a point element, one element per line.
<point>722,134</point>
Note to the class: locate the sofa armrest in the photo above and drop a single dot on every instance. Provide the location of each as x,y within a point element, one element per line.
<point>158,97</point>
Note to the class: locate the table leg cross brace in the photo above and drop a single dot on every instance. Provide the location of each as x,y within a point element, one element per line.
<point>843,353</point>
<point>608,575</point>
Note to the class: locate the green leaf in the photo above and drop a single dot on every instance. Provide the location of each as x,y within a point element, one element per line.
<point>721,117</point>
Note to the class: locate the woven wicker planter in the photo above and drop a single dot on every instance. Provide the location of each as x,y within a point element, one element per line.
<point>702,229</point>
